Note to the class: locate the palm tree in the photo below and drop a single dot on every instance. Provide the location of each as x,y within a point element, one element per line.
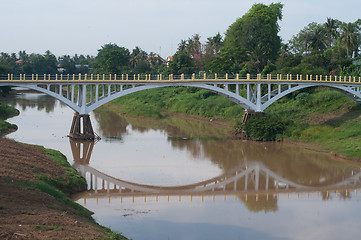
<point>318,39</point>
<point>214,44</point>
<point>331,30</point>
<point>349,36</point>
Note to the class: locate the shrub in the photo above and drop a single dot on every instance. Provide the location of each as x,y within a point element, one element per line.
<point>265,128</point>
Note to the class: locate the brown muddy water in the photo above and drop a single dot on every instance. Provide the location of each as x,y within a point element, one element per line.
<point>186,179</point>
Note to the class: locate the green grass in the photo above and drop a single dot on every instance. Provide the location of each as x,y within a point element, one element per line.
<point>341,133</point>
<point>5,113</point>
<point>187,100</point>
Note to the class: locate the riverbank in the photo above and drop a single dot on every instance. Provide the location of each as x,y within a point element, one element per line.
<point>5,113</point>
<point>33,204</point>
<point>321,117</point>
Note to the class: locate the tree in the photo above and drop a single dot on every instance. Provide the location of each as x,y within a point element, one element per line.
<point>318,42</point>
<point>111,59</point>
<point>213,44</point>
<point>331,31</point>
<point>181,64</point>
<point>350,37</point>
<point>257,33</point>
<point>301,43</point>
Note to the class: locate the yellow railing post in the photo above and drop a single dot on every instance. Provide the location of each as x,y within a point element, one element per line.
<point>98,77</point>
<point>126,77</point>
<point>36,77</point>
<point>56,77</point>
<point>49,77</point>
<point>61,77</point>
<point>280,76</point>
<point>182,76</point>
<point>160,76</point>
<point>138,77</point>
<point>316,77</point>
<point>85,76</point>
<point>307,77</point>
<point>215,76</point>
<point>298,77</point>
<point>311,77</point>
<point>115,77</point>
<point>8,77</point>
<point>20,77</point>
<point>12,77</point>
<point>237,76</point>
<point>122,77</point>
<point>193,76</point>
<point>110,77</point>
<point>32,77</point>
<point>226,76</point>
<point>248,76</point>
<point>204,76</point>
<point>290,77</point>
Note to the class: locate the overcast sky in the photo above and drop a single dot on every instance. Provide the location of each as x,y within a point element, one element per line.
<point>83,26</point>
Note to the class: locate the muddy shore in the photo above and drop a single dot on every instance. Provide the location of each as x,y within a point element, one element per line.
<point>28,213</point>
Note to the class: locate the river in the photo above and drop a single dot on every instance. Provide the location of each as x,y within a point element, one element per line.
<point>181,178</point>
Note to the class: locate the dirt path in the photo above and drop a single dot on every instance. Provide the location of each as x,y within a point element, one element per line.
<point>26,213</point>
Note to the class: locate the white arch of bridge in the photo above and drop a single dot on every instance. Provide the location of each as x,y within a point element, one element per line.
<point>74,94</point>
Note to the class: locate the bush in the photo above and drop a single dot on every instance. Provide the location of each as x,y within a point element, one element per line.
<point>265,128</point>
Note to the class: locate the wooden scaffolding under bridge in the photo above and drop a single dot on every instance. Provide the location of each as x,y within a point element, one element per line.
<point>81,128</point>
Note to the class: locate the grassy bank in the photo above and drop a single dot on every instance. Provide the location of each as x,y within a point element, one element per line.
<point>319,116</point>
<point>36,184</point>
<point>5,113</point>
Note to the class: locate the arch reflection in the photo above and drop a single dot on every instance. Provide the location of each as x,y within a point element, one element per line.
<point>251,182</point>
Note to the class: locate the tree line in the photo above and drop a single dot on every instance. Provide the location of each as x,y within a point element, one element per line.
<point>250,45</point>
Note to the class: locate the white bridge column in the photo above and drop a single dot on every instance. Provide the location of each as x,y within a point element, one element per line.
<point>258,99</point>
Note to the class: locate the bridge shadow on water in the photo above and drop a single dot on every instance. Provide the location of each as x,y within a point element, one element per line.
<point>251,182</point>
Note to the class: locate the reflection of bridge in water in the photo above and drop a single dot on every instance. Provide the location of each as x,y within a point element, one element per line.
<point>246,179</point>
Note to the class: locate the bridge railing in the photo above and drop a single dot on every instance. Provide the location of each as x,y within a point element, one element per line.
<point>181,77</point>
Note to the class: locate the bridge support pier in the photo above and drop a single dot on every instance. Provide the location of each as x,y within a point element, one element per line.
<point>81,128</point>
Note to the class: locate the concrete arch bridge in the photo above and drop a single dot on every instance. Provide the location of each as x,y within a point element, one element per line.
<point>85,93</point>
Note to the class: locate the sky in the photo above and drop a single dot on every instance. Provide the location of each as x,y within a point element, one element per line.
<point>68,27</point>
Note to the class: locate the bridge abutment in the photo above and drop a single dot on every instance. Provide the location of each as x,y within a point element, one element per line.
<point>81,128</point>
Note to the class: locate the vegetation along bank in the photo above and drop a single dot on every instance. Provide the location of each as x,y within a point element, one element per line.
<point>35,187</point>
